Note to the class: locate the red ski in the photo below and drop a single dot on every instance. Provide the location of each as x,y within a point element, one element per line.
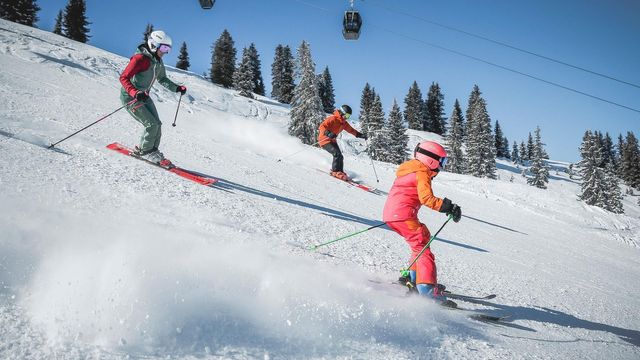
<point>171,168</point>
<point>355,183</point>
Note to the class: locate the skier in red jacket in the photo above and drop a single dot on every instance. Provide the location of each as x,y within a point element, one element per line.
<point>329,129</point>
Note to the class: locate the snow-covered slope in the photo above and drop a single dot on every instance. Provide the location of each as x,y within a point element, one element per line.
<point>103,256</point>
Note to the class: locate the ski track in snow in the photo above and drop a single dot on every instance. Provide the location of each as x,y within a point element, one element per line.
<point>106,257</point>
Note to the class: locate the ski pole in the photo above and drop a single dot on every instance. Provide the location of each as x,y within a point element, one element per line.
<point>93,123</point>
<point>178,108</point>
<point>405,272</point>
<point>374,168</point>
<point>297,152</point>
<point>314,247</point>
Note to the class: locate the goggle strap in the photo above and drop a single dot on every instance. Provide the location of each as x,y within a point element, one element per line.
<point>428,153</point>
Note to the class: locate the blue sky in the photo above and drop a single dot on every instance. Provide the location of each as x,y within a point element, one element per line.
<point>399,44</point>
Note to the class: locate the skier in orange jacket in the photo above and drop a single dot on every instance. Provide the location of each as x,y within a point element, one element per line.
<point>330,128</point>
<point>410,191</point>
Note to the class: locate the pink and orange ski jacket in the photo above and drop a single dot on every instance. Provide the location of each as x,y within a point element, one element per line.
<point>410,190</point>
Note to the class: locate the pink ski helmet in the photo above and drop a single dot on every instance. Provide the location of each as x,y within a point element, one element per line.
<point>431,154</point>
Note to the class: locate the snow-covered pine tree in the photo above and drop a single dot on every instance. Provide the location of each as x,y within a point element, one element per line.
<point>282,75</point>
<point>377,132</point>
<point>592,175</point>
<point>539,170</point>
<point>397,136</point>
<point>515,156</point>
<point>366,100</point>
<point>454,141</point>
<point>414,107</point>
<point>613,199</point>
<point>223,60</point>
<point>480,145</point>
<point>608,150</point>
<point>243,76</point>
<point>434,119</point>
<point>306,105</point>
<point>325,87</point>
<point>530,147</point>
<point>20,11</point>
<point>523,153</point>
<point>505,150</point>
<point>147,31</point>
<point>75,21</point>
<point>57,28</point>
<point>255,63</point>
<point>499,139</point>
<point>183,58</point>
<point>630,161</point>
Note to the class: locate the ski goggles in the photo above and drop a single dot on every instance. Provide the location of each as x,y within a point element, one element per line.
<point>347,116</point>
<point>443,162</point>
<point>164,48</point>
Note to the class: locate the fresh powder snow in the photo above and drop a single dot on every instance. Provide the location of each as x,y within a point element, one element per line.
<point>103,256</point>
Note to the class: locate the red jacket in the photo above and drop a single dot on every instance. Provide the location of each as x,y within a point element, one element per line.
<point>410,190</point>
<point>334,123</point>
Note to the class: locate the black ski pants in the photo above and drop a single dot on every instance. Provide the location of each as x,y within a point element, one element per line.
<point>338,159</point>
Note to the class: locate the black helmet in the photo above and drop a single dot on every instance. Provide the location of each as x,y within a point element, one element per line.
<point>346,109</point>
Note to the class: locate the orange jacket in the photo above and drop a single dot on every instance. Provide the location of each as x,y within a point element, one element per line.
<point>410,190</point>
<point>334,123</point>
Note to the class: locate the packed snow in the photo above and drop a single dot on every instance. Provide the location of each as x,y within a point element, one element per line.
<point>103,256</point>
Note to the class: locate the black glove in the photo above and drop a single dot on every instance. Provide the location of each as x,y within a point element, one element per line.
<point>141,96</point>
<point>362,136</point>
<point>182,89</point>
<point>329,134</point>
<point>450,208</point>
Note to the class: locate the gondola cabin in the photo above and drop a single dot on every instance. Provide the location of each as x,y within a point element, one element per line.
<point>351,25</point>
<point>207,4</point>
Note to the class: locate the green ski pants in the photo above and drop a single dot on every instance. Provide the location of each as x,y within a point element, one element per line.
<point>146,114</point>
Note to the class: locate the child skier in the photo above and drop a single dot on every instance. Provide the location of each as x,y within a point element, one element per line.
<point>411,190</point>
<point>329,129</point>
<point>137,78</point>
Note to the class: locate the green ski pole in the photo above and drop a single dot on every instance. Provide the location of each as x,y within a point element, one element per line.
<point>314,247</point>
<point>405,272</point>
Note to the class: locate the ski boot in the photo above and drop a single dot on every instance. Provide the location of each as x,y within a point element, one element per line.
<point>435,293</point>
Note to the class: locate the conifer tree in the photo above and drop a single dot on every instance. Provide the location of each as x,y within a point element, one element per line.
<point>530,147</point>
<point>306,105</point>
<point>414,107</point>
<point>255,63</point>
<point>592,175</point>
<point>243,76</point>
<point>75,21</point>
<point>183,58</point>
<point>613,199</point>
<point>282,75</point>
<point>479,141</point>
<point>499,140</point>
<point>434,119</point>
<point>397,143</point>
<point>147,31</point>
<point>608,150</point>
<point>223,60</point>
<point>539,170</point>
<point>20,11</point>
<point>455,140</point>
<point>630,161</point>
<point>523,153</point>
<point>515,156</point>
<point>325,86</point>
<point>377,132</point>
<point>57,28</point>
<point>366,101</point>
<point>505,149</point>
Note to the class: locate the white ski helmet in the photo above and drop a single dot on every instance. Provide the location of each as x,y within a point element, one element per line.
<point>157,38</point>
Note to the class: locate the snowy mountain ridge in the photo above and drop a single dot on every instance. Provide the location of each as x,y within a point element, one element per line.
<point>103,256</point>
